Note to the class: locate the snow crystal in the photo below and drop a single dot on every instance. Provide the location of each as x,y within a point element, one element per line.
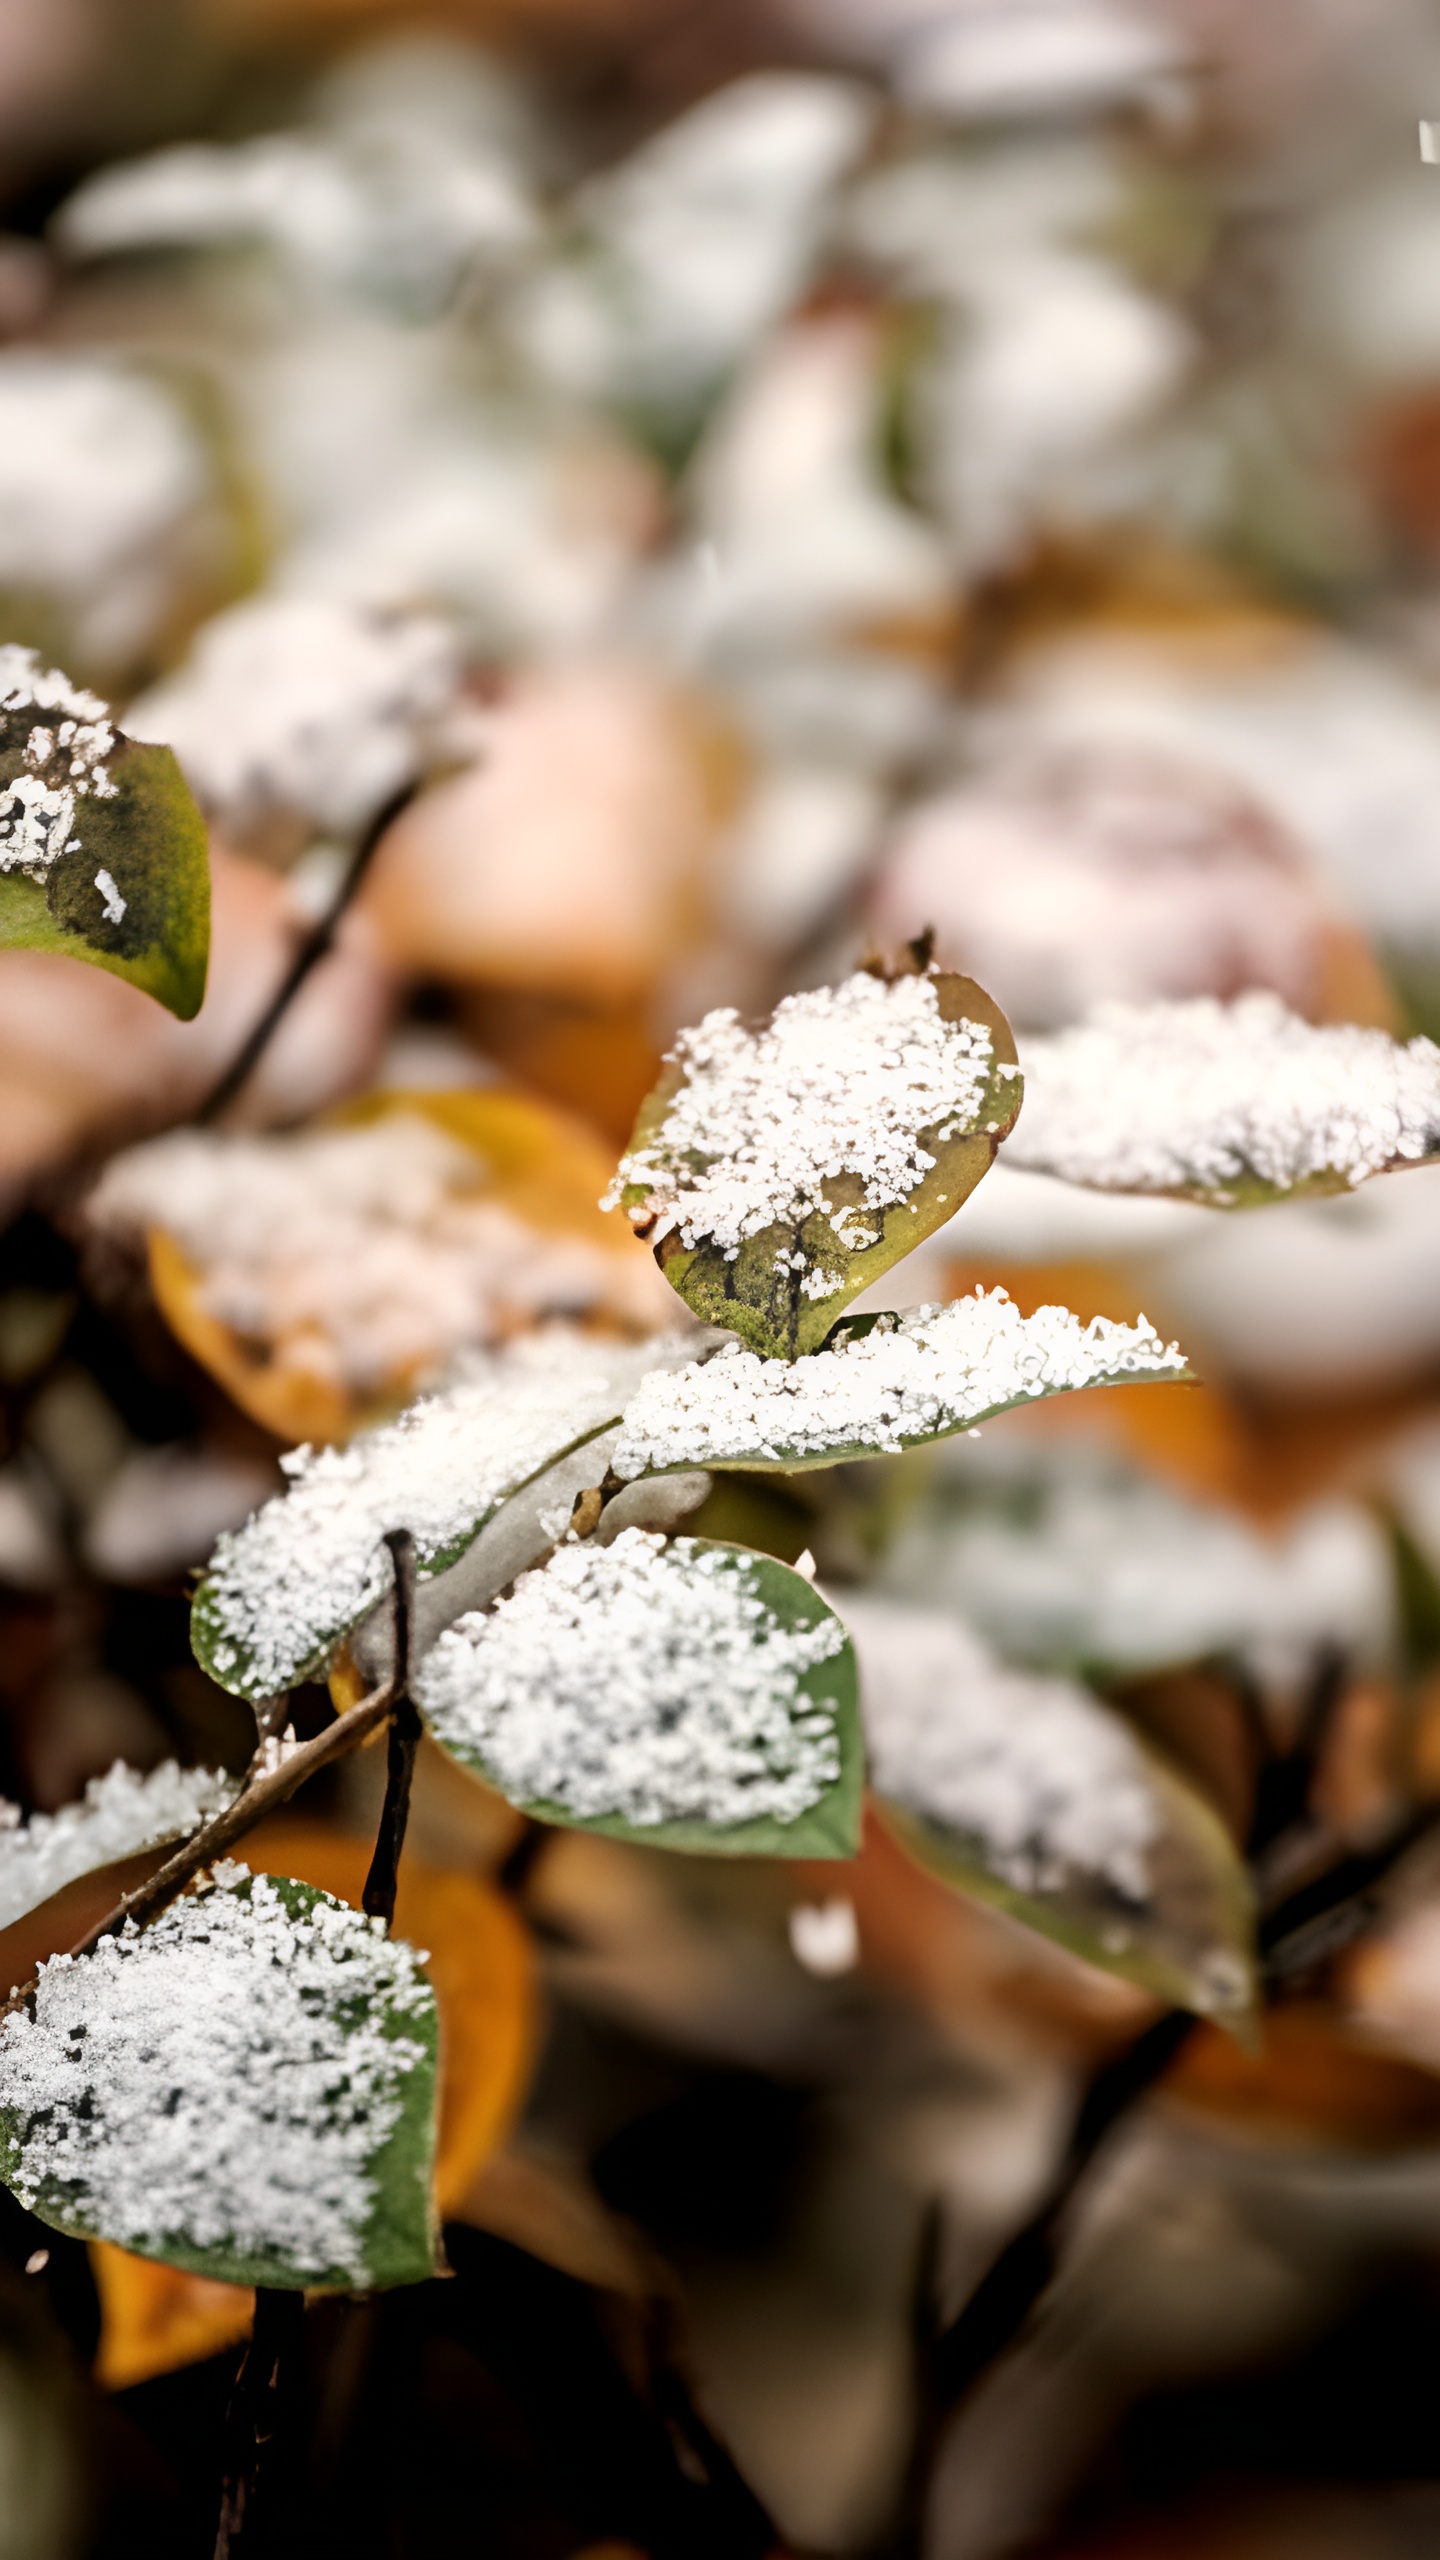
<point>641,1679</point>
<point>361,1255</point>
<point>936,1371</point>
<point>1203,1095</point>
<point>284,1589</point>
<point>1032,1769</point>
<point>844,1080</point>
<point>114,905</point>
<point>118,1814</point>
<point>64,753</point>
<point>300,703</point>
<point>222,2079</point>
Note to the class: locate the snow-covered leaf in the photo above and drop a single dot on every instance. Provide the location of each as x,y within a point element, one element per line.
<point>935,1371</point>
<point>117,1815</point>
<point>324,1274</point>
<point>780,1171</point>
<point>103,853</point>
<point>283,1592</point>
<point>245,2089</point>
<point>1232,1104</point>
<point>1027,1791</point>
<point>682,1693</point>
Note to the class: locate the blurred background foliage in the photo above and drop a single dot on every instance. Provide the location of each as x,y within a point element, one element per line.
<point>780,473</point>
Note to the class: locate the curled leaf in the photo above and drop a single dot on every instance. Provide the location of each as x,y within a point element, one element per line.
<point>1030,1793</point>
<point>284,1592</point>
<point>899,1383</point>
<point>781,1171</point>
<point>103,853</point>
<point>1233,1105</point>
<point>246,2089</point>
<point>681,1693</point>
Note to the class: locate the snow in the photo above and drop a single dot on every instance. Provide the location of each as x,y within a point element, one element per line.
<point>64,753</point>
<point>297,702</point>
<point>284,1589</point>
<point>98,472</point>
<point>641,1679</point>
<point>221,2080</point>
<point>843,1080</point>
<point>1046,1782</point>
<point>1059,1555</point>
<point>118,1814</point>
<point>366,1256</point>
<point>938,1370</point>
<point>1202,1096</point>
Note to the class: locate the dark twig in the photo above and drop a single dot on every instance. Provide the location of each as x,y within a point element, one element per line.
<point>257,1797</point>
<point>311,951</point>
<point>404,1739</point>
<point>1007,2294</point>
<point>257,2437</point>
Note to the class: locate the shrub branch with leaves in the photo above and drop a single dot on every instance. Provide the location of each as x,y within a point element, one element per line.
<point>234,2073</point>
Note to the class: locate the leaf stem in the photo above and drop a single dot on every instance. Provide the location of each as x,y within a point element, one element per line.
<point>404,1739</point>
<point>312,949</point>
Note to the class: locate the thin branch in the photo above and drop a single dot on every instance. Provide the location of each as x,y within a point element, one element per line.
<point>404,1740</point>
<point>1008,2292</point>
<point>258,2448</point>
<point>258,1796</point>
<point>311,951</point>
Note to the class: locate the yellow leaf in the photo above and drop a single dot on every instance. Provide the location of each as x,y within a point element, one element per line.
<point>154,2319</point>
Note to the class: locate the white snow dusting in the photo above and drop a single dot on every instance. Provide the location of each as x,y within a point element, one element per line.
<point>117,1815</point>
<point>644,1680</point>
<point>221,2080</point>
<point>284,1589</point>
<point>938,1370</point>
<point>1202,1096</point>
<point>300,703</point>
<point>1032,1769</point>
<point>844,1080</point>
<point>365,1256</point>
<point>63,762</point>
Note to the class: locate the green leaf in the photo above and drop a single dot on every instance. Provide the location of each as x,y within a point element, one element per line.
<point>566,1645</point>
<point>1233,1106</point>
<point>246,2089</point>
<point>283,1593</point>
<point>769,1288</point>
<point>1030,1793</point>
<point>103,852</point>
<point>920,1378</point>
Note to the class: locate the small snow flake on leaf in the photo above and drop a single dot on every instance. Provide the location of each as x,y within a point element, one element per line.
<point>1027,1791</point>
<point>780,1171</point>
<point>245,2089</point>
<point>118,1814</point>
<point>1230,1104</point>
<point>683,1693</point>
<point>103,853</point>
<point>877,1391</point>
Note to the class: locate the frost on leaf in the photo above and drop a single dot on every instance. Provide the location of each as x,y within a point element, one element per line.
<point>283,1592</point>
<point>103,853</point>
<point>1027,1791</point>
<point>684,1693</point>
<point>938,1370</point>
<point>117,1815</point>
<point>245,2089</point>
<point>1229,1104</point>
<point>780,1171</point>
